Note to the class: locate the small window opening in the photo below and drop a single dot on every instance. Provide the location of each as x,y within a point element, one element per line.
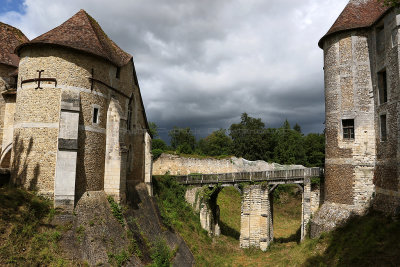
<point>95,115</point>
<point>380,39</point>
<point>383,128</point>
<point>129,118</point>
<point>348,128</point>
<point>118,73</point>
<point>382,86</point>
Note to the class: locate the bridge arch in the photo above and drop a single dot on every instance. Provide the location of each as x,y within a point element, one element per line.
<point>257,201</point>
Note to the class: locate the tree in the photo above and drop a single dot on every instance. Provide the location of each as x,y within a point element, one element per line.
<point>297,128</point>
<point>290,146</point>
<point>393,3</point>
<point>314,145</point>
<point>153,129</point>
<point>216,144</point>
<point>159,144</point>
<point>183,139</point>
<point>250,138</point>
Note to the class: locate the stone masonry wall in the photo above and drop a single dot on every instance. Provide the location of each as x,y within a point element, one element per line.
<point>386,178</point>
<point>256,220</point>
<point>349,95</point>
<point>177,165</point>
<point>5,80</point>
<point>40,109</point>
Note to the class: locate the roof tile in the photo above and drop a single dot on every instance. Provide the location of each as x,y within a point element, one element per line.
<point>357,14</point>
<point>83,33</point>
<point>10,38</point>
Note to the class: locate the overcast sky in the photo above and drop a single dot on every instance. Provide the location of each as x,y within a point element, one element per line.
<point>201,63</point>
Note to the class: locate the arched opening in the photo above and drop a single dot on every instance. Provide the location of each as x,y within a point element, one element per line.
<point>286,202</point>
<point>5,157</point>
<point>229,202</point>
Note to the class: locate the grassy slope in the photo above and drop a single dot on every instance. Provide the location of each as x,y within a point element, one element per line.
<point>26,237</point>
<point>369,240</point>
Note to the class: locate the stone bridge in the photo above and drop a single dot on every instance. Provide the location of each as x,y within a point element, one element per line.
<point>256,226</point>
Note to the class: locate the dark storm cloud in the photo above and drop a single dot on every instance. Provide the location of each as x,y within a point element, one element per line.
<point>202,63</point>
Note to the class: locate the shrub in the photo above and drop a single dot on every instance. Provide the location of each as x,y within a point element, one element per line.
<point>160,253</point>
<point>156,153</point>
<point>116,210</point>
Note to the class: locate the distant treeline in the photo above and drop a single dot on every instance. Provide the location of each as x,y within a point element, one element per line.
<point>248,139</point>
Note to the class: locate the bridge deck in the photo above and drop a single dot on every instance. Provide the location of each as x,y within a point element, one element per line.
<point>295,176</point>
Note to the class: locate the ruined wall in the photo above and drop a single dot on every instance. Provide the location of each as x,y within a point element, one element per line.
<point>208,210</point>
<point>349,162</point>
<point>177,165</point>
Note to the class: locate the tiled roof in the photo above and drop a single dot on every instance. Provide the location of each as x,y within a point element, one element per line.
<point>10,38</point>
<point>357,14</point>
<point>82,32</point>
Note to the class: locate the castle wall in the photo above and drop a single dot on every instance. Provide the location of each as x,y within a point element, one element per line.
<point>386,177</point>
<point>38,112</point>
<point>177,165</point>
<point>349,162</point>
<point>5,81</point>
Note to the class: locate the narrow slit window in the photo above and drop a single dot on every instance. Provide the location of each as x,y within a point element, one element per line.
<point>383,128</point>
<point>348,128</point>
<point>129,118</point>
<point>95,115</point>
<point>382,86</point>
<point>118,73</point>
<point>380,40</point>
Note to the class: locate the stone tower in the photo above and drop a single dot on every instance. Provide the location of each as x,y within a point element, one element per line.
<point>361,64</point>
<point>10,38</point>
<point>80,123</point>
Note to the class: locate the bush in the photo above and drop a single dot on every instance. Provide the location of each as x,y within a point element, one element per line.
<point>156,153</point>
<point>160,253</point>
<point>159,144</point>
<point>116,210</point>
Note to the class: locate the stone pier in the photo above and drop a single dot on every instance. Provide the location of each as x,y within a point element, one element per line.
<point>256,229</point>
<point>207,208</point>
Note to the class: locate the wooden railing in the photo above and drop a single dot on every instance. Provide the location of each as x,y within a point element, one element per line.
<point>277,176</point>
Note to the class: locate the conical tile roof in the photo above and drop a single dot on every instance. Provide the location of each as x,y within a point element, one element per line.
<point>82,32</point>
<point>357,14</point>
<point>10,38</point>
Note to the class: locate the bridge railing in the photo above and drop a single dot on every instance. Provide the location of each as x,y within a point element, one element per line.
<point>249,176</point>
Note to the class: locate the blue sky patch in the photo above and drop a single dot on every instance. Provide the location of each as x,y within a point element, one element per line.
<point>11,5</point>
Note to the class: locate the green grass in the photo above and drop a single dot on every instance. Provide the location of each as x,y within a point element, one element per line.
<point>26,236</point>
<point>368,240</point>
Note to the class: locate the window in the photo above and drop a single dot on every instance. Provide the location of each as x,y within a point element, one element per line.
<point>348,129</point>
<point>129,118</point>
<point>95,115</point>
<point>382,86</point>
<point>118,73</point>
<point>383,127</point>
<point>380,40</point>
